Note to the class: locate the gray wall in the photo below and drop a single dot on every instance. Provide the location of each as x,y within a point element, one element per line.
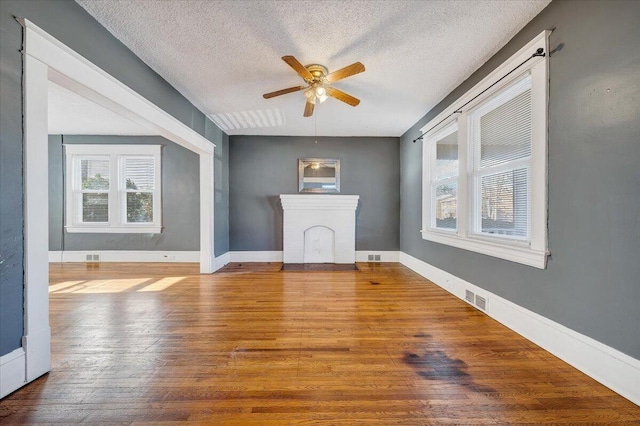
<point>180,200</point>
<point>221,188</point>
<point>592,282</point>
<point>262,168</point>
<point>69,23</point>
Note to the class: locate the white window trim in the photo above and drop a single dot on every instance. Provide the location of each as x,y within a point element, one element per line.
<point>117,222</point>
<point>534,251</point>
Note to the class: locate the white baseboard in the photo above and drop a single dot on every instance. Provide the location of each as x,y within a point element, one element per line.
<point>125,256</point>
<point>612,368</point>
<point>37,346</point>
<point>12,372</point>
<point>276,256</point>
<point>255,256</point>
<point>385,256</point>
<point>221,260</point>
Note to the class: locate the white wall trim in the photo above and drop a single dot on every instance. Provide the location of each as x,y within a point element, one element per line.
<point>222,260</point>
<point>255,256</point>
<point>385,256</point>
<point>71,68</point>
<point>125,256</point>
<point>532,252</point>
<point>47,59</point>
<point>612,368</point>
<point>12,371</point>
<point>276,256</point>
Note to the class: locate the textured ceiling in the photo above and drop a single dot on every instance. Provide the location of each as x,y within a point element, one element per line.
<point>223,55</point>
<point>72,114</point>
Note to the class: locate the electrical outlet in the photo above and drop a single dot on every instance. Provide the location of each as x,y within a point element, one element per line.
<point>448,284</point>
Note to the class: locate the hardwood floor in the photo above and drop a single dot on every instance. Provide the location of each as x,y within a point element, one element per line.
<point>253,345</point>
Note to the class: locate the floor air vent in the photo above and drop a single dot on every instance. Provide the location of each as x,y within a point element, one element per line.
<point>93,258</point>
<point>469,296</point>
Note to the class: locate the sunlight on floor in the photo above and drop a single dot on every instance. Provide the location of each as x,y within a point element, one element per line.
<point>161,284</point>
<point>115,285</point>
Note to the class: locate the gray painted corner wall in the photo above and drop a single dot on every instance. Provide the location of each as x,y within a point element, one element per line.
<point>221,188</point>
<point>262,168</point>
<point>73,26</point>
<point>592,282</point>
<point>180,199</point>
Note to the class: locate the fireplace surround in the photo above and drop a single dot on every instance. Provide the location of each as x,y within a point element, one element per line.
<point>319,228</point>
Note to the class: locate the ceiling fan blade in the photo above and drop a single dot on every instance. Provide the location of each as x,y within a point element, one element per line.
<point>345,72</point>
<point>283,92</point>
<point>298,67</point>
<point>308,109</point>
<point>341,96</point>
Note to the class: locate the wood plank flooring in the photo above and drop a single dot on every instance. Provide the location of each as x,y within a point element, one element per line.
<point>253,345</point>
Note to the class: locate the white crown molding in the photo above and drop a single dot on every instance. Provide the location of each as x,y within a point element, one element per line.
<point>612,368</point>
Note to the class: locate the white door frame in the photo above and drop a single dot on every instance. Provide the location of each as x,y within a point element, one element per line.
<point>47,59</point>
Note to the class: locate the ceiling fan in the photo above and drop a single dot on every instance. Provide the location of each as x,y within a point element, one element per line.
<point>319,82</point>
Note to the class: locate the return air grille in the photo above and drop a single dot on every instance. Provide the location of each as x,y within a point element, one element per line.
<point>469,296</point>
<point>481,302</point>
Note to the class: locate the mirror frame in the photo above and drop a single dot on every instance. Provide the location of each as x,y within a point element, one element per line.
<point>302,162</point>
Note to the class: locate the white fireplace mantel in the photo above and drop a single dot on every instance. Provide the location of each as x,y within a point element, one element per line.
<point>304,213</point>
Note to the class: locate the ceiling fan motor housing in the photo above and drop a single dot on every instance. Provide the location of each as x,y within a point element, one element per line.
<point>319,72</point>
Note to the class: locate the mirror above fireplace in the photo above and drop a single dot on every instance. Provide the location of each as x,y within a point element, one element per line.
<point>319,175</point>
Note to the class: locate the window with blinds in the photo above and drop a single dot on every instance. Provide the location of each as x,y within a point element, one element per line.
<point>92,175</point>
<point>113,188</point>
<point>139,175</point>
<point>484,186</point>
<point>501,129</point>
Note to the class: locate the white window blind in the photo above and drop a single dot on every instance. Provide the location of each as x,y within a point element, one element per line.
<point>484,186</point>
<point>501,126</point>
<point>91,188</point>
<point>140,184</point>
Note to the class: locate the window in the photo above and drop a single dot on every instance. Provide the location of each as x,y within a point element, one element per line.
<point>113,188</point>
<point>444,178</point>
<point>484,164</point>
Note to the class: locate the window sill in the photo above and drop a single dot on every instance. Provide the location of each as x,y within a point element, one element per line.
<point>508,251</point>
<point>114,229</point>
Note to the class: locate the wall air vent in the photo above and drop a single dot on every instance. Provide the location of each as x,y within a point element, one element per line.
<point>481,302</point>
<point>469,296</point>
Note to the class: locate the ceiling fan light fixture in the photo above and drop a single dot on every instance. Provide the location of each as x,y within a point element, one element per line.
<point>321,94</point>
<point>310,94</point>
<point>319,81</point>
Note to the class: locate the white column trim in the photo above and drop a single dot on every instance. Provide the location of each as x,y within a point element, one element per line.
<point>47,59</point>
<point>37,334</point>
<point>207,250</point>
